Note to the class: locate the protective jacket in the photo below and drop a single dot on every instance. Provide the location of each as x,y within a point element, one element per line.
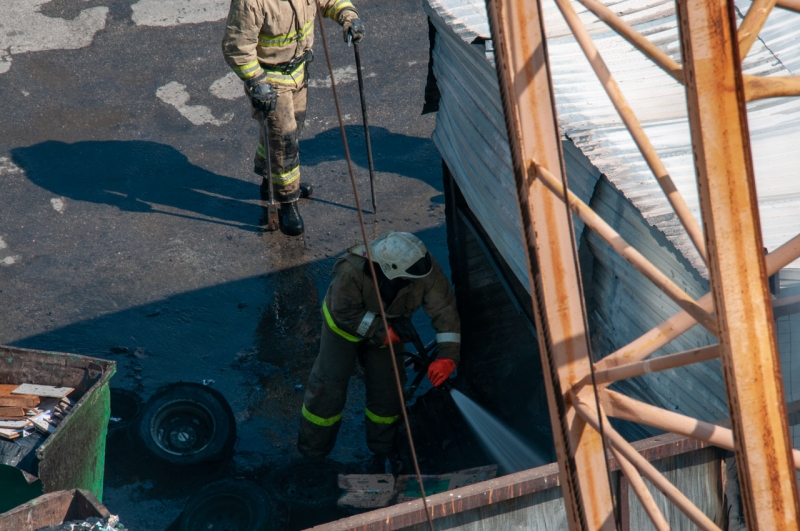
<point>351,310</point>
<point>264,33</point>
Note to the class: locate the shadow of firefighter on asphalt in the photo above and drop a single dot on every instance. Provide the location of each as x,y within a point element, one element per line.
<point>138,176</point>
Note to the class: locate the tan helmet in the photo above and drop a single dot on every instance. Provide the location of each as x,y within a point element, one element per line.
<point>400,254</point>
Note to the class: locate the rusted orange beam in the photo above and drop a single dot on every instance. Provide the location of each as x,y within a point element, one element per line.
<point>639,487</point>
<point>623,407</point>
<point>752,24</point>
<point>634,126</point>
<point>792,5</point>
<point>650,50</point>
<point>663,363</point>
<point>748,345</point>
<point>525,83</point>
<point>679,323</point>
<point>759,88</point>
<point>588,412</point>
<point>624,249</point>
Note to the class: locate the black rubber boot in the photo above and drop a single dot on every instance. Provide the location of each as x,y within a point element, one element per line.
<point>290,219</point>
<point>306,189</point>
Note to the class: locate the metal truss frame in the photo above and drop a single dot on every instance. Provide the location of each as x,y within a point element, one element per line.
<point>738,310</point>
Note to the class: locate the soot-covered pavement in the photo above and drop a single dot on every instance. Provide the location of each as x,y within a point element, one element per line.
<point>130,219</point>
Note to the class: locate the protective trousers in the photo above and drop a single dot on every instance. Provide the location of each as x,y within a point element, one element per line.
<point>326,394</point>
<point>285,124</point>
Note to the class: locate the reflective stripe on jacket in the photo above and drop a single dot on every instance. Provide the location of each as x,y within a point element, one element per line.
<point>351,305</point>
<point>272,32</point>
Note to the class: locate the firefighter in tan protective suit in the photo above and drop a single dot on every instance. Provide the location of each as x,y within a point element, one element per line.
<point>268,44</point>
<point>408,278</point>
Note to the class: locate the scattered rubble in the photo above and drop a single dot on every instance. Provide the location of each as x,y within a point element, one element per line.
<point>109,523</point>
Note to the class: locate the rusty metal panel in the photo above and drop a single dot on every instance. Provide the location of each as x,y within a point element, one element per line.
<point>699,476</point>
<point>737,269</point>
<point>526,90</point>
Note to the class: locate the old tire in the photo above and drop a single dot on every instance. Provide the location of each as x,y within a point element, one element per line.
<point>229,505</point>
<point>186,424</point>
<point>125,406</point>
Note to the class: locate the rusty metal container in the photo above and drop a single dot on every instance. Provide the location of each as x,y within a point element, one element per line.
<point>53,509</point>
<point>74,455</point>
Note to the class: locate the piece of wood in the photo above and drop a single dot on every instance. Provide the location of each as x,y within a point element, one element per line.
<point>43,425</point>
<point>7,399</point>
<point>11,413</point>
<point>14,424</point>
<point>10,434</point>
<point>42,390</point>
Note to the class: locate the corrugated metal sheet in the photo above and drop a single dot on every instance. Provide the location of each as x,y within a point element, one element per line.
<point>588,118</point>
<point>471,136</point>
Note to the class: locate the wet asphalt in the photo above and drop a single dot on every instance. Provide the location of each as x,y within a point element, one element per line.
<point>128,233</point>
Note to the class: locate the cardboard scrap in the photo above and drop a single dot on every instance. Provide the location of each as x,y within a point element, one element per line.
<point>366,491</point>
<point>42,390</point>
<point>370,491</point>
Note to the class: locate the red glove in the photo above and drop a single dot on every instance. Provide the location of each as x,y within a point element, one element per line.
<point>391,337</point>
<point>440,370</point>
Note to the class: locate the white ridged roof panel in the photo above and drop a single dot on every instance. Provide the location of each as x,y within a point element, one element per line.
<point>587,116</point>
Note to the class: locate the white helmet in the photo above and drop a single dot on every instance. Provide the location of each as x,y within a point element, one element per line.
<point>400,254</point>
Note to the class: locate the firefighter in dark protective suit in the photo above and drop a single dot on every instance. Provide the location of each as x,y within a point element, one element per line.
<point>408,278</point>
<point>268,44</point>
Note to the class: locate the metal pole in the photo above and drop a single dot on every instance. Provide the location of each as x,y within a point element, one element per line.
<point>272,205</point>
<point>549,241</point>
<point>726,182</point>
<point>366,126</point>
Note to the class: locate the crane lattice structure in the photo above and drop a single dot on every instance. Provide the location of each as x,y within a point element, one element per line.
<point>738,310</point>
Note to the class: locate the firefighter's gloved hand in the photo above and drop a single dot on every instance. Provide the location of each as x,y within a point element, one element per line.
<point>263,97</point>
<point>391,337</point>
<point>404,329</point>
<point>355,28</point>
<point>440,370</point>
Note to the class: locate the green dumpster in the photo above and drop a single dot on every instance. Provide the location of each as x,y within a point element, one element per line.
<point>74,455</point>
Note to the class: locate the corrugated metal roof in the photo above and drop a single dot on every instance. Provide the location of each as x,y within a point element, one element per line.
<point>587,116</point>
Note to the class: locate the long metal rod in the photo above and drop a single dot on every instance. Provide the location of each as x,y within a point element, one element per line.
<point>758,87</point>
<point>523,74</point>
<point>273,222</point>
<point>649,471</point>
<point>374,276</point>
<point>365,117</point>
<point>751,25</point>
<point>626,250</point>
<point>649,49</point>
<point>641,490</point>
<point>623,407</point>
<point>679,323</point>
<point>663,363</point>
<point>634,126</point>
<point>739,280</point>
